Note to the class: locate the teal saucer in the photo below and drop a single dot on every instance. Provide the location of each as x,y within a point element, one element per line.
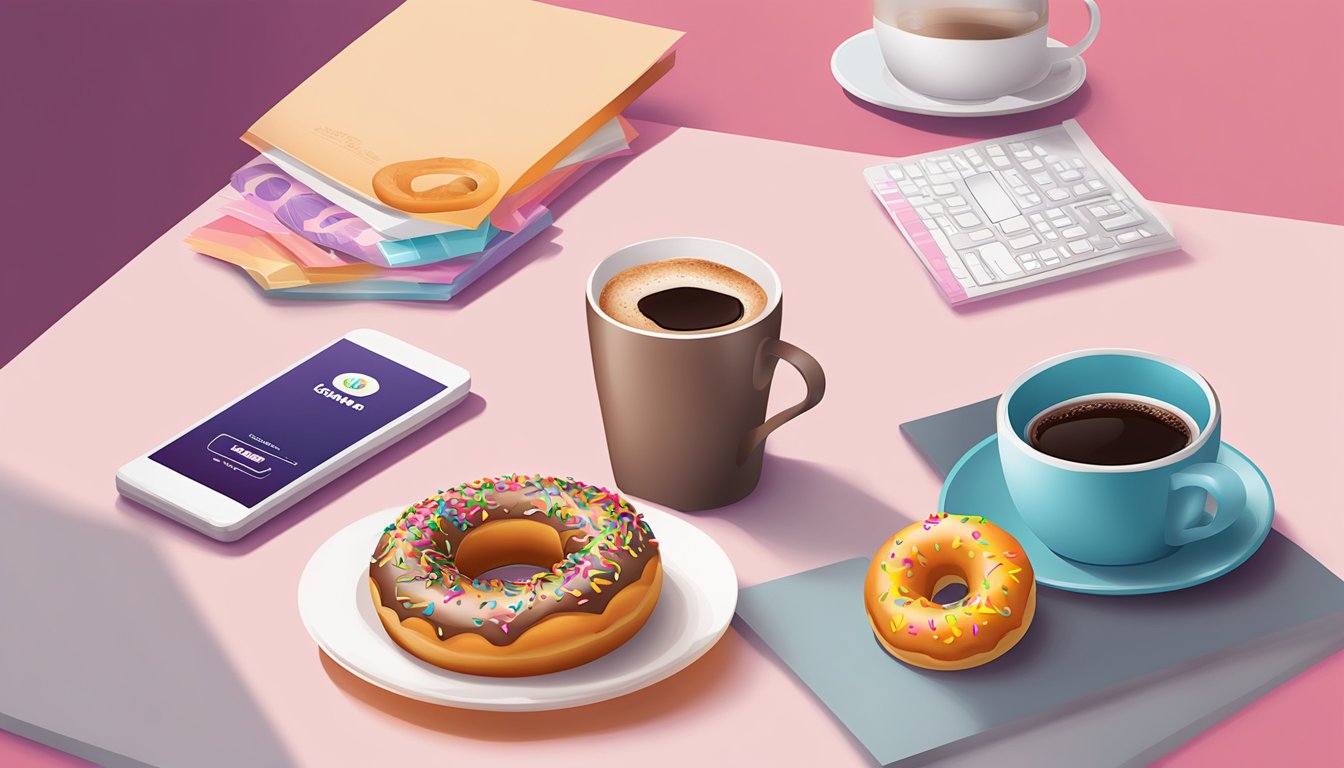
<point>976,487</point>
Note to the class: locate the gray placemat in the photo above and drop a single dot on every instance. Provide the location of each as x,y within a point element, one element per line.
<point>1079,648</point>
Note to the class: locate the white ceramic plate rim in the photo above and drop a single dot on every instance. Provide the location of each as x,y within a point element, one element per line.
<point>927,105</point>
<point>345,627</point>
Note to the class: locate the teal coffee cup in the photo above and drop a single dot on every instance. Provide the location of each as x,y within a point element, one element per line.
<point>1108,513</point>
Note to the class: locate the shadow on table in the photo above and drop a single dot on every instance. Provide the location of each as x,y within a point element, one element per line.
<point>983,127</point>
<point>804,509</point>
<point>709,676</point>
<point>471,407</point>
<point>103,656</point>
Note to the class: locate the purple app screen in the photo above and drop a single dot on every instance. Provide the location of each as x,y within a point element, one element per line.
<point>262,443</point>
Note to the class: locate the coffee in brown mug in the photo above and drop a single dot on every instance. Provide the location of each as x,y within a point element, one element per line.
<point>1110,431</point>
<point>682,295</point>
<point>685,341</point>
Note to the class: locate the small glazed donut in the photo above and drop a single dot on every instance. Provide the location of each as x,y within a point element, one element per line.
<point>922,559</point>
<point>476,183</point>
<point>598,576</point>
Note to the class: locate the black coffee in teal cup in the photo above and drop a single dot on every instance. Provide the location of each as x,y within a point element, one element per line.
<point>1108,513</point>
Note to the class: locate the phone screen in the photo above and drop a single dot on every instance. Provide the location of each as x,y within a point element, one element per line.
<point>262,443</point>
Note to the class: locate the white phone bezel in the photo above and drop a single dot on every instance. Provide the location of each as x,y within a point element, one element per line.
<point>205,509</point>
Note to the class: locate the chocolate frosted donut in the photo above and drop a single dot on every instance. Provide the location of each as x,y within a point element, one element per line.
<point>598,577</point>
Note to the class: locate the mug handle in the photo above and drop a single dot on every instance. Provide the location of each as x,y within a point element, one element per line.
<point>1076,50</point>
<point>812,374</point>
<point>1226,488</point>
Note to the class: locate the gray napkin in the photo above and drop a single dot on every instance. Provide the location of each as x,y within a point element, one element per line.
<point>1080,647</point>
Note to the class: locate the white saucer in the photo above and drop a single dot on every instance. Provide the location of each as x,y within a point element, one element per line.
<point>857,65</point>
<point>698,599</point>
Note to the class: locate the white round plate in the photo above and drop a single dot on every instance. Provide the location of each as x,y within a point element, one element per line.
<point>857,65</point>
<point>698,598</point>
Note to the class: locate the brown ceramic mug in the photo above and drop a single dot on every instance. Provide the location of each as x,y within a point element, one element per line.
<point>685,413</point>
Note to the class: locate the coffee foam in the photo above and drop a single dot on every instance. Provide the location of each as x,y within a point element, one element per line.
<point>620,296</point>
<point>1091,406</point>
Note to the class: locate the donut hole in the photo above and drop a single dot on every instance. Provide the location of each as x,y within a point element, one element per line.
<point>949,591</point>
<point>455,183</point>
<point>513,550</point>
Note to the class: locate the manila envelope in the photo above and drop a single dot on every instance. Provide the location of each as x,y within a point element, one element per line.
<point>516,84</point>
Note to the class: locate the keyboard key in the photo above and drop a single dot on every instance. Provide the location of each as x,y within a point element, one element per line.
<point>1033,199</point>
<point>1128,237</point>
<point>1042,178</point>
<point>1024,241</point>
<point>1050,262</point>
<point>995,150</point>
<point>1061,166</point>
<point>1032,165</point>
<point>1000,162</point>
<point>946,224</point>
<point>1070,175</point>
<point>998,257</point>
<point>1114,209</point>
<point>1031,266</point>
<point>1074,232</point>
<point>1036,217</point>
<point>942,178</point>
<point>1039,150</point>
<point>982,234</point>
<point>913,171</point>
<point>1101,243</point>
<point>1056,194</point>
<point>1042,227</point>
<point>894,171</point>
<point>909,188</point>
<point>942,190</point>
<point>1047,254</point>
<point>1080,189</point>
<point>1095,184</point>
<point>978,272</point>
<point>992,199</point>
<point>1145,232</point>
<point>1080,246</point>
<point>1054,213</point>
<point>1015,224</point>
<point>955,201</point>
<point>1021,190</point>
<point>1062,221</point>
<point>1097,210</point>
<point>958,268</point>
<point>1078,163</point>
<point>967,219</point>
<point>1128,220</point>
<point>1051,236</point>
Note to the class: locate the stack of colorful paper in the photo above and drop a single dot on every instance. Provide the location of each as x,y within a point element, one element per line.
<point>528,92</point>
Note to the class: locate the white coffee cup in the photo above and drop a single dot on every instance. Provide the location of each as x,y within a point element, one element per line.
<point>944,49</point>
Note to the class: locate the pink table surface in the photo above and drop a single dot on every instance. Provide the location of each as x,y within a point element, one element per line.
<point>857,299</point>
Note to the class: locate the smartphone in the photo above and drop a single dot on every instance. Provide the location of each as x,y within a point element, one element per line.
<point>253,458</point>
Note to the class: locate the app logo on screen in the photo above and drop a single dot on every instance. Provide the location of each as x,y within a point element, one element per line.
<point>356,384</point>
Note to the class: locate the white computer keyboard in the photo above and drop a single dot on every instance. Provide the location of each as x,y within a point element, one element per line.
<point>1005,214</point>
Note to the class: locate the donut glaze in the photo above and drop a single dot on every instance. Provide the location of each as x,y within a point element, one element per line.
<point>922,559</point>
<point>598,575</point>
